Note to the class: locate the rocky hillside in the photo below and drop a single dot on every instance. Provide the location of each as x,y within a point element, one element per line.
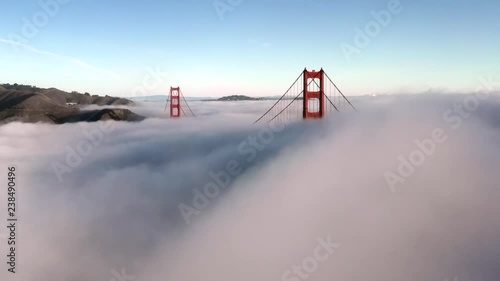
<point>64,98</point>
<point>31,104</point>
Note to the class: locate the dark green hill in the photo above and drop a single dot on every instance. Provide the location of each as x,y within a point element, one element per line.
<point>237,98</point>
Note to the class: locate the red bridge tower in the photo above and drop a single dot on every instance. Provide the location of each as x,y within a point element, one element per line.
<point>314,94</point>
<point>175,102</point>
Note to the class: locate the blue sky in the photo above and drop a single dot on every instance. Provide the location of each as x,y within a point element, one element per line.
<point>256,48</point>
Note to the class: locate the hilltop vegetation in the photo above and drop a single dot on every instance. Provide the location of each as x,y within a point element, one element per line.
<point>26,103</point>
<point>238,98</point>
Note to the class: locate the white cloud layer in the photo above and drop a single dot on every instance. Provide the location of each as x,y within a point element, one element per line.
<point>119,208</point>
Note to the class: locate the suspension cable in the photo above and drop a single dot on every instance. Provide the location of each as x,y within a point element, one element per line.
<point>340,92</point>
<point>287,106</point>
<point>182,95</point>
<point>279,99</point>
<point>166,105</point>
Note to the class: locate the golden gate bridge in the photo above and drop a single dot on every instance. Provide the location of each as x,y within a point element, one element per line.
<point>313,95</point>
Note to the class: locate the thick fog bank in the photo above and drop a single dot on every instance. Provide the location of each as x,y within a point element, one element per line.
<point>404,189</point>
